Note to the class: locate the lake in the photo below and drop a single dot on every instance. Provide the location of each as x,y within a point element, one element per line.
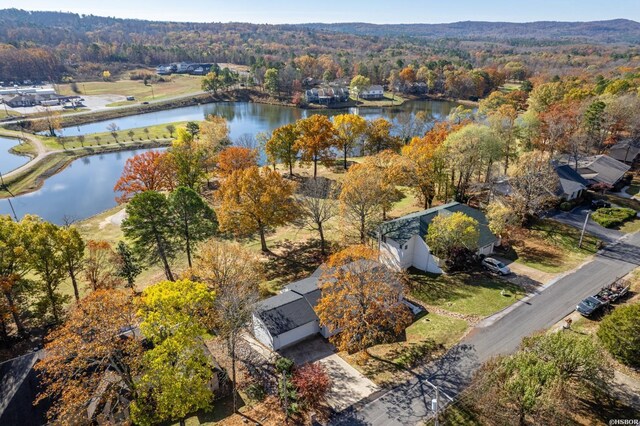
<point>85,188</point>
<point>246,118</point>
<point>81,190</point>
<point>9,161</point>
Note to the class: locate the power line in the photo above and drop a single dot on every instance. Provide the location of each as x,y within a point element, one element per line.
<point>6,188</point>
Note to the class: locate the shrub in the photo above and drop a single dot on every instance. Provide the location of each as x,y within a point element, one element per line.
<point>619,333</point>
<point>312,384</point>
<point>565,206</point>
<point>613,216</point>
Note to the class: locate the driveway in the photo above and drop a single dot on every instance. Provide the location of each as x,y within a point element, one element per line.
<point>348,387</point>
<point>410,403</point>
<point>576,218</point>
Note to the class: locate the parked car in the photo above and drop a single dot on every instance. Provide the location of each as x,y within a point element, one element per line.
<point>131,98</point>
<point>588,306</point>
<point>599,204</point>
<point>495,266</point>
<point>605,297</point>
<point>145,103</point>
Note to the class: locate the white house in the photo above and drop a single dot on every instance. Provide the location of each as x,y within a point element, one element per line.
<point>402,241</point>
<point>372,92</point>
<point>572,185</point>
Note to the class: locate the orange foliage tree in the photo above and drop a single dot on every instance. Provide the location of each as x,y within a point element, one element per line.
<point>236,158</point>
<point>99,265</point>
<point>312,384</point>
<point>316,138</point>
<point>149,171</point>
<point>361,299</point>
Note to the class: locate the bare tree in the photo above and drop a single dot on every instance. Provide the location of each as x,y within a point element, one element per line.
<point>318,205</point>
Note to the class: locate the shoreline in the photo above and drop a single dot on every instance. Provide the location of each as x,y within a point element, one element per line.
<point>32,179</point>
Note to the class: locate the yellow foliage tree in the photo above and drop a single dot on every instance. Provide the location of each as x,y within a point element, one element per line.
<point>316,137</point>
<point>349,128</point>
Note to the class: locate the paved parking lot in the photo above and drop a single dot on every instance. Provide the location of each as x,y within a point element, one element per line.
<point>348,385</point>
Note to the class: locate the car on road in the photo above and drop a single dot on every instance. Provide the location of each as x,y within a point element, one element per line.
<point>598,204</point>
<point>588,306</point>
<point>145,103</point>
<point>495,266</point>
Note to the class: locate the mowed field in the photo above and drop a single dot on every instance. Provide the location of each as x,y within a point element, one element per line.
<point>175,86</point>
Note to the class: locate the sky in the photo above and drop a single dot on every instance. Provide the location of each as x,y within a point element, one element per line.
<point>372,11</point>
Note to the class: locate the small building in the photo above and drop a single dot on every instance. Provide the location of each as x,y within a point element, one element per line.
<point>402,241</point>
<point>372,92</point>
<point>572,184</point>
<point>627,151</point>
<point>311,95</point>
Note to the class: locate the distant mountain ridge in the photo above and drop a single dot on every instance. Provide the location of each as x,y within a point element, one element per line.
<point>610,31</point>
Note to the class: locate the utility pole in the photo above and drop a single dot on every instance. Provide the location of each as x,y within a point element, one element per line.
<point>434,407</point>
<point>584,228</point>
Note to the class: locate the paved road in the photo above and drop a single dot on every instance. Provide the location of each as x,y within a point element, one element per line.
<point>410,403</point>
<point>576,218</point>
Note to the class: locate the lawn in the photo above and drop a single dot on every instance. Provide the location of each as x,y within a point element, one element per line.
<point>178,85</point>
<point>388,99</point>
<point>550,246</point>
<point>472,294</point>
<point>423,341</point>
<point>633,189</point>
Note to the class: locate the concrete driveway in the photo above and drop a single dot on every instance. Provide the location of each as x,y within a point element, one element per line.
<point>348,387</point>
<point>576,218</point>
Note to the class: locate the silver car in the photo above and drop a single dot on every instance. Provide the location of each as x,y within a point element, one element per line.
<point>495,266</point>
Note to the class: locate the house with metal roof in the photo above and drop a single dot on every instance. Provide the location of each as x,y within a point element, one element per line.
<point>572,184</point>
<point>626,151</point>
<point>602,169</point>
<point>402,241</point>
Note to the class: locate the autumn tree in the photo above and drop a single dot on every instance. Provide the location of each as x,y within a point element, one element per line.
<point>316,137</point>
<point>447,233</point>
<point>127,267</point>
<point>236,158</point>
<point>150,228</point>
<point>379,138</point>
<point>195,221</point>
<point>149,171</point>
<point>282,146</point>
<point>271,81</point>
<point>211,83</point>
<point>358,84</point>
<point>99,268</point>
<point>503,124</point>
<point>500,217</point>
<point>312,382</point>
<point>90,343</point>
<point>72,246</point>
<point>188,159</point>
<point>317,203</point>
<point>253,201</point>
<point>533,183</point>
<point>177,371</point>
<point>51,121</point>
<point>362,300</point>
<point>233,274</point>
<point>350,128</point>
<point>213,137</point>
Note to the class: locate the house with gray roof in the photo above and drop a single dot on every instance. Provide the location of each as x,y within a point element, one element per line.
<point>402,241</point>
<point>626,151</point>
<point>572,184</point>
<point>601,169</point>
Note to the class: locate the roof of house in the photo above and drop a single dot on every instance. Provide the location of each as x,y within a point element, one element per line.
<point>18,389</point>
<point>570,180</point>
<point>602,169</point>
<point>374,87</point>
<point>626,150</point>
<point>402,229</point>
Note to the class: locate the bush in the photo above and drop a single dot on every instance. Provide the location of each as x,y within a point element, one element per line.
<point>255,392</point>
<point>565,206</point>
<point>619,333</point>
<point>613,216</point>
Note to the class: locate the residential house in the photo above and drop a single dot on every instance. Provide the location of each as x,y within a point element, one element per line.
<point>572,184</point>
<point>19,387</point>
<point>289,317</point>
<point>372,92</point>
<point>327,95</point>
<point>402,241</point>
<point>601,169</point>
<point>311,95</point>
<point>627,151</point>
<point>164,70</point>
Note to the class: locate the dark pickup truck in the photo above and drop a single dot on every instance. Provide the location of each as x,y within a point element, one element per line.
<point>605,297</point>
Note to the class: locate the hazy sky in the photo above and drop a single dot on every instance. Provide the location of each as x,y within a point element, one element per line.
<point>375,11</point>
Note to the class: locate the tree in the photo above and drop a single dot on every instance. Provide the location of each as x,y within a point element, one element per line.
<point>619,332</point>
<point>448,233</point>
<point>500,217</point>
<point>211,83</point>
<point>349,129</point>
<point>214,134</point>
<point>127,266</point>
<point>106,75</point>
<point>533,183</point>
<point>90,343</point>
<point>149,226</point>
<point>72,247</point>
<point>51,121</point>
<point>99,268</point>
<point>148,171</point>
<point>233,274</point>
<point>358,84</point>
<point>195,220</point>
<point>236,158</point>
<point>271,81</point>
<point>362,300</point>
<point>14,265</point>
<point>316,137</point>
<point>317,203</point>
<point>130,133</point>
<point>113,129</point>
<point>48,263</point>
<point>253,201</point>
<point>503,123</point>
<point>282,146</point>
<point>379,138</point>
<point>171,129</point>
<point>312,384</point>
<point>189,160</point>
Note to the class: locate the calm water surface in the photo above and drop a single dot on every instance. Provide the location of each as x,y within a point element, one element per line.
<point>9,161</point>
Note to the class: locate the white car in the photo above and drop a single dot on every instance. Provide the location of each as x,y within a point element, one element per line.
<point>496,266</point>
